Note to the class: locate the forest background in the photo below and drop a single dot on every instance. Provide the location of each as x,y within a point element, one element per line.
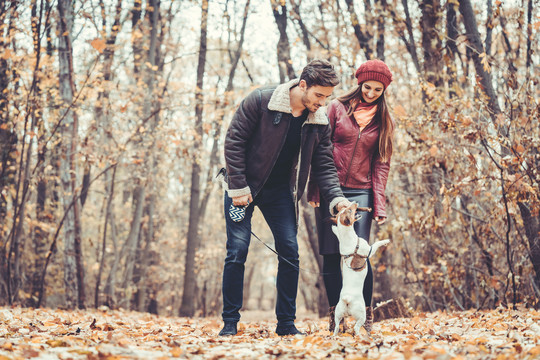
<point>112,119</point>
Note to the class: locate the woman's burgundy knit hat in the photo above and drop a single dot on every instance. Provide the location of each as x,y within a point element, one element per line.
<point>374,70</point>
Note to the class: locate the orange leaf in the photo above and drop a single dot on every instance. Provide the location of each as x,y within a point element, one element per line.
<point>176,352</point>
<point>56,343</point>
<point>466,121</point>
<point>99,44</point>
<point>535,351</point>
<point>6,55</point>
<point>434,150</point>
<point>400,111</point>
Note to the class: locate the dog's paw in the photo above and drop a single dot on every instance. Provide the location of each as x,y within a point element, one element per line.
<point>385,242</point>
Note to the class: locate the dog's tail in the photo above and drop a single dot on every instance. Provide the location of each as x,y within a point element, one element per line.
<point>377,245</point>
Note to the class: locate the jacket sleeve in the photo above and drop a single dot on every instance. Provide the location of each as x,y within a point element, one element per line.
<point>379,178</point>
<point>313,193</point>
<point>243,123</point>
<point>324,173</point>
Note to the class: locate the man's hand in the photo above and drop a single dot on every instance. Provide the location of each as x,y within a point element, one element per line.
<point>314,204</point>
<point>343,204</point>
<point>380,219</point>
<point>242,200</point>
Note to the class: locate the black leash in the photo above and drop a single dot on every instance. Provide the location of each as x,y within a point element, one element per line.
<point>290,263</point>
<point>296,266</point>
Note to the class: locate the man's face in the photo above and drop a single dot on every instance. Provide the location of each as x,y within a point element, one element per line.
<point>315,96</point>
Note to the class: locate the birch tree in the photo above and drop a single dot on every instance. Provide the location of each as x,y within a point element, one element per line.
<point>188,296</point>
<point>73,271</point>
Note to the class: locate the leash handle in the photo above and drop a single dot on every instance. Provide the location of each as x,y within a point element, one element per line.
<point>237,213</point>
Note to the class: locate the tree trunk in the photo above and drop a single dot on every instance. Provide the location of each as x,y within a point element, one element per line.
<point>139,195</point>
<point>8,147</point>
<point>45,186</point>
<point>489,26</point>
<point>250,271</point>
<point>406,36</point>
<point>102,117</point>
<point>361,36</point>
<point>144,257</point>
<point>451,47</point>
<point>473,36</point>
<point>109,191</point>
<point>23,179</point>
<point>303,29</point>
<point>69,147</point>
<point>40,235</point>
<point>381,9</point>
<point>528,62</point>
<point>431,42</point>
<point>134,238</point>
<point>531,223</point>
<point>305,291</point>
<point>110,285</point>
<point>313,242</point>
<point>286,69</point>
<point>81,292</point>
<point>188,296</point>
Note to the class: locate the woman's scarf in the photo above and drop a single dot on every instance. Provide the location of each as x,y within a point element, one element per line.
<point>363,114</point>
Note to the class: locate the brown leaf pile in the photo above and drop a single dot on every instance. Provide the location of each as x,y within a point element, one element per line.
<point>114,335</point>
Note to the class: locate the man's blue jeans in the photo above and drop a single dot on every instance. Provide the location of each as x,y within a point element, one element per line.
<point>278,209</point>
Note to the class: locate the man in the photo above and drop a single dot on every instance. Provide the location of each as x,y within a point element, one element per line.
<point>276,135</point>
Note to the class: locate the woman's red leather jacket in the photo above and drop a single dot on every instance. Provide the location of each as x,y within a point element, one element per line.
<point>356,155</point>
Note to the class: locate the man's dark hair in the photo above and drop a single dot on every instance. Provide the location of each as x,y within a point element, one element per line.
<point>319,72</point>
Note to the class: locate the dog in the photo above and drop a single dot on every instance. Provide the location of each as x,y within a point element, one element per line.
<point>355,253</point>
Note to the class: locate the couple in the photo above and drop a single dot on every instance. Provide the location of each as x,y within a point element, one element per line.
<point>277,137</point>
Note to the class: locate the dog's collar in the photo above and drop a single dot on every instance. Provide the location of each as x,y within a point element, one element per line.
<point>356,255</point>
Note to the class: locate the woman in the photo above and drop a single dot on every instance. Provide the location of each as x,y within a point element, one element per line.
<point>362,134</point>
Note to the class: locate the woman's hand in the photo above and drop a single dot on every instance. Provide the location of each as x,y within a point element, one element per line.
<point>380,219</point>
<point>314,204</point>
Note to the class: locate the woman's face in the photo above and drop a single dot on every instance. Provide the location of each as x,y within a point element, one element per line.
<point>372,90</point>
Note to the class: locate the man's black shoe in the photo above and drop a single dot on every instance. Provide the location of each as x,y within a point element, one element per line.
<point>283,330</point>
<point>228,329</point>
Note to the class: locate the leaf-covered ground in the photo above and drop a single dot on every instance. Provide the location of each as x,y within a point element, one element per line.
<point>93,334</point>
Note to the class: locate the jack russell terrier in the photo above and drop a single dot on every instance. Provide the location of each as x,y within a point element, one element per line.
<point>355,253</point>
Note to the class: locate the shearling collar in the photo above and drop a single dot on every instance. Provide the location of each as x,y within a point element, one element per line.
<point>281,101</point>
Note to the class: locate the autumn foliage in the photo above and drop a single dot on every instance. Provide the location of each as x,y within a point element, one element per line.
<point>112,118</point>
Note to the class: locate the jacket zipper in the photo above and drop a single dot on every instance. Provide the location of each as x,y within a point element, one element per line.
<point>352,157</point>
<point>295,190</point>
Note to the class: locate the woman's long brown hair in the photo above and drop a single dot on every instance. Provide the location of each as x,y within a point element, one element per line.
<point>386,134</point>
